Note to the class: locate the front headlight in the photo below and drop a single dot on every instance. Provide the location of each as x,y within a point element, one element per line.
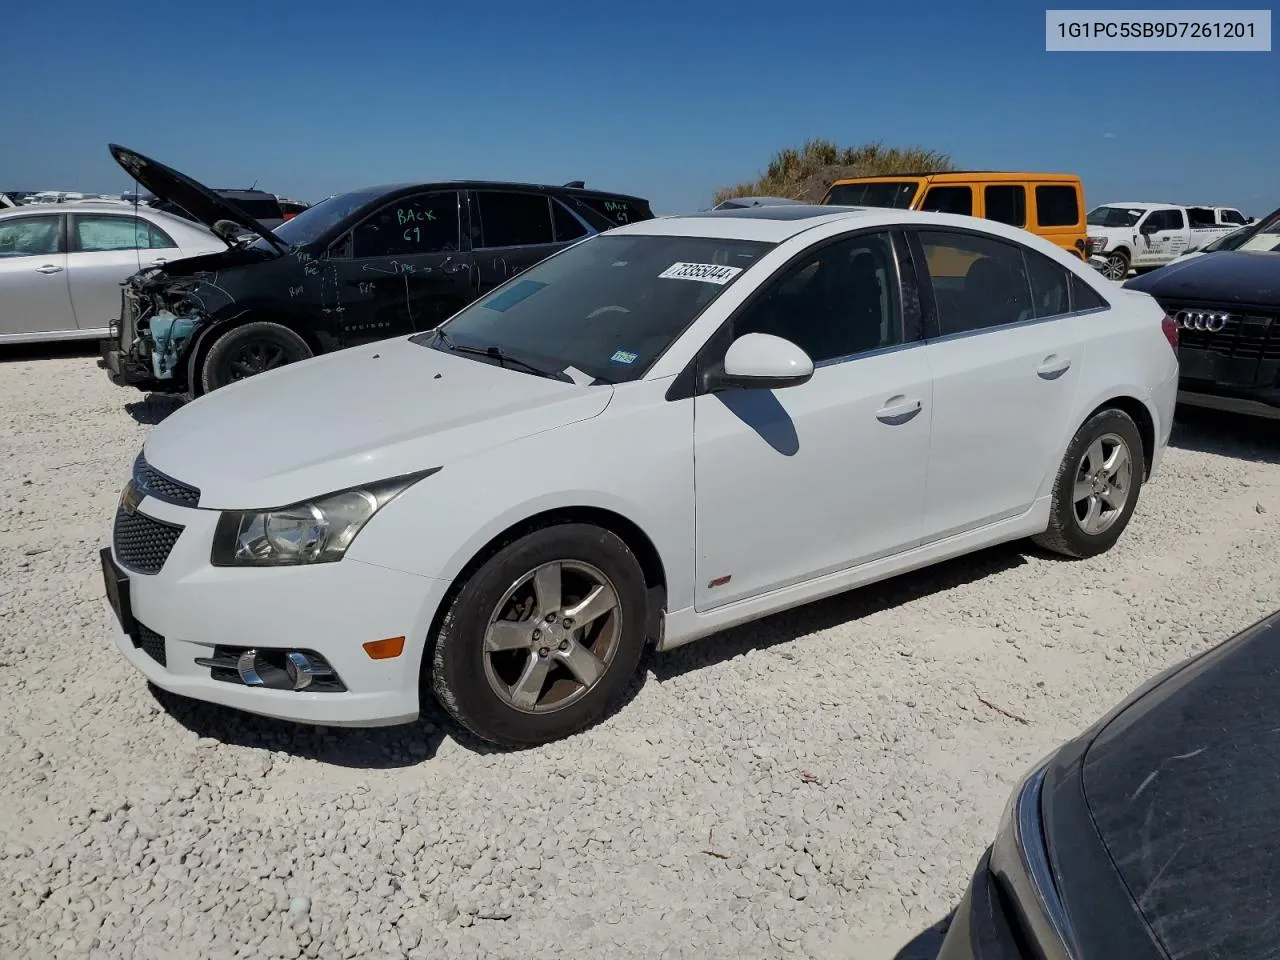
<point>315,531</point>
<point>1020,861</point>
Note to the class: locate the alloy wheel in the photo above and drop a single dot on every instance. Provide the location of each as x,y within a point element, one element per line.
<point>552,636</point>
<point>1104,481</point>
<point>1117,268</point>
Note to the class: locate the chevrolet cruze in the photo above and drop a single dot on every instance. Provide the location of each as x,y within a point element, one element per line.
<point>662,431</point>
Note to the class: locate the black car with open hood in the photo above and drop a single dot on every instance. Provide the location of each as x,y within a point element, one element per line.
<point>1226,303</point>
<point>359,266</point>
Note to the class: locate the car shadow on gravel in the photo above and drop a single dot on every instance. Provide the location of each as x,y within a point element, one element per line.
<point>26,352</point>
<point>781,628</point>
<point>1227,435</point>
<point>153,408</point>
<point>364,748</point>
<point>926,944</point>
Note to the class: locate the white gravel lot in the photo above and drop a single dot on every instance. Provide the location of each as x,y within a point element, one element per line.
<point>819,784</point>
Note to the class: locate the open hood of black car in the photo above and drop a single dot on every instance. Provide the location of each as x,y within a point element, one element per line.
<point>195,198</point>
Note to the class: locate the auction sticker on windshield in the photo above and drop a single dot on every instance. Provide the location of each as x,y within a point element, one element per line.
<point>706,272</point>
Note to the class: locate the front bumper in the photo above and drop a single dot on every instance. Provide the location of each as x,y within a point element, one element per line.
<point>981,929</point>
<point>190,607</point>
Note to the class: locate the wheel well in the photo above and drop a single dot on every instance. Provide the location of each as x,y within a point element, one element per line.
<point>1124,251</point>
<point>207,337</point>
<point>655,576</point>
<point>1137,410</point>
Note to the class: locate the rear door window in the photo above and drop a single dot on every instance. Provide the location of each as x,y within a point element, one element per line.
<point>1005,203</point>
<point>1057,205</point>
<point>949,200</point>
<point>978,282</point>
<point>1201,217</point>
<point>510,219</point>
<point>423,223</point>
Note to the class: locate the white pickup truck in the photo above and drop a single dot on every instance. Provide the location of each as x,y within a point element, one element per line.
<point>1140,236</point>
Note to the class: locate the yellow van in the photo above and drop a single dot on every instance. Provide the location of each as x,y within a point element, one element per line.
<point>1050,205</point>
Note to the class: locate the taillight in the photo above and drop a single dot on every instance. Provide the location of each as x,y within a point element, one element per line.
<point>1170,328</point>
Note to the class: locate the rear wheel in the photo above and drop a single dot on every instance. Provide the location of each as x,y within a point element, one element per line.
<point>248,350</point>
<point>1096,489</point>
<point>544,637</point>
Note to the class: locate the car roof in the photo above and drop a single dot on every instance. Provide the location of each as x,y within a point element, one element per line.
<point>98,206</point>
<point>1138,204</point>
<point>776,224</point>
<point>494,185</point>
<point>964,176</point>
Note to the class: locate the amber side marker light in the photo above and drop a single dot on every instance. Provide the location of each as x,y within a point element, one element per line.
<point>384,649</point>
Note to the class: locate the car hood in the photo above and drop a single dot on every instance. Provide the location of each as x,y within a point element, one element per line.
<point>194,197</point>
<point>355,416</point>
<point>1181,784</point>
<point>1224,277</point>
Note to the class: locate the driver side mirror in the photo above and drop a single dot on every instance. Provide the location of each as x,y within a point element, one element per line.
<point>761,361</point>
<point>1149,226</point>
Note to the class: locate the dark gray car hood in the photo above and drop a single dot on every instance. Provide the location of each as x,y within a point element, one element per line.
<point>1224,277</point>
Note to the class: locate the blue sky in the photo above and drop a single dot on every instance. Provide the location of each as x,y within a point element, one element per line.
<point>666,100</point>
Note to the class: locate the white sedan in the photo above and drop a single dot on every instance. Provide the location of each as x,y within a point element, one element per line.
<point>662,431</point>
<point>61,265</point>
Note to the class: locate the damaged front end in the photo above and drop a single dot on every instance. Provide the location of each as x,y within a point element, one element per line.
<point>160,317</point>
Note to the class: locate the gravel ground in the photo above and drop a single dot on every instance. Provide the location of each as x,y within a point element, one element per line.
<point>819,784</point>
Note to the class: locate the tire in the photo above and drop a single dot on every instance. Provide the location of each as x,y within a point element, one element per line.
<point>525,684</point>
<point>1117,266</point>
<point>246,350</point>
<point>1075,493</point>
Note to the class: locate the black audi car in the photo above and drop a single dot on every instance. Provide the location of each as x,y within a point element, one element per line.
<point>1226,303</point>
<point>356,267</point>
<point>1154,835</point>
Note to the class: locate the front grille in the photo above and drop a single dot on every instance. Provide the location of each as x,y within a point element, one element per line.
<point>1245,352</point>
<point>153,483</point>
<point>142,544</point>
<point>151,643</point>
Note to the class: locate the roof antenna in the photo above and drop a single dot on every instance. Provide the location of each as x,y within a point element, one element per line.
<point>255,184</point>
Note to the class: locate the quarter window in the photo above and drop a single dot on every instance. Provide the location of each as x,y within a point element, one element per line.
<point>1006,203</point>
<point>30,236</point>
<point>839,301</point>
<point>568,227</point>
<point>426,223</point>
<point>1049,285</point>
<point>1084,297</point>
<point>977,282</point>
<point>949,200</point>
<point>512,219</point>
<point>1057,206</point>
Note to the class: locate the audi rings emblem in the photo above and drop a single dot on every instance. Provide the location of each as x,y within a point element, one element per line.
<point>1202,320</point>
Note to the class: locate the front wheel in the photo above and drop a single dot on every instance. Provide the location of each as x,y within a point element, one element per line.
<point>1097,485</point>
<point>248,350</point>
<point>1116,266</point>
<point>544,637</point>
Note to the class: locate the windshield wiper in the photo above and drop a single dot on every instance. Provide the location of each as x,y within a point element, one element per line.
<point>496,353</point>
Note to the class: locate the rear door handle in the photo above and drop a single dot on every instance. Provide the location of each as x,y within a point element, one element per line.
<point>1053,367</point>
<point>49,268</point>
<point>898,410</point>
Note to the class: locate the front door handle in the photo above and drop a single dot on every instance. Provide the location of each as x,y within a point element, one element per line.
<point>898,410</point>
<point>49,268</point>
<point>159,261</point>
<point>1053,367</point>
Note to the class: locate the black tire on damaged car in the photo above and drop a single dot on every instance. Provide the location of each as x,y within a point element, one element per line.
<point>475,676</point>
<point>248,349</point>
<point>1108,433</point>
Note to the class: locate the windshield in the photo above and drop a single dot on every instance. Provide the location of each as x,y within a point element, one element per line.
<point>606,307</point>
<point>897,195</point>
<point>1113,217</point>
<point>1263,235</point>
<point>315,221</point>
